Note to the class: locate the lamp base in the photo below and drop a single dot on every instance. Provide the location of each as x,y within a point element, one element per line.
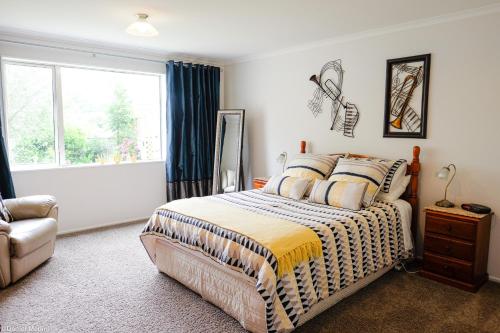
<point>445,203</point>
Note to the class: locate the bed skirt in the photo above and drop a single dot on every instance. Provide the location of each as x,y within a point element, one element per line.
<point>230,290</point>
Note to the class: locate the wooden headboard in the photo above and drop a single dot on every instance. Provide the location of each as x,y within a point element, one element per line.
<point>411,194</point>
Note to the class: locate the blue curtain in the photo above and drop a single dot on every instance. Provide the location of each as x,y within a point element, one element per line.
<point>6,184</point>
<point>192,105</point>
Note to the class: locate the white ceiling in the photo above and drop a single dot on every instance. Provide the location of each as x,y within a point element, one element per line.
<point>218,29</point>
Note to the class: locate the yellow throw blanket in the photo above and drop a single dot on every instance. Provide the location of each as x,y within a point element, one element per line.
<point>291,243</point>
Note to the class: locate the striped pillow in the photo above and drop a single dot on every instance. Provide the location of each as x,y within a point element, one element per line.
<point>396,191</point>
<point>5,214</point>
<point>396,174</point>
<point>338,194</point>
<point>312,167</point>
<point>286,186</point>
<point>358,171</point>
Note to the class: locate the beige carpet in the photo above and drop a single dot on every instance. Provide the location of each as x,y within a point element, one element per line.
<point>104,282</point>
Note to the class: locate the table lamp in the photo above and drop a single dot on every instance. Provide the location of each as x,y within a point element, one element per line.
<point>282,159</point>
<point>444,173</point>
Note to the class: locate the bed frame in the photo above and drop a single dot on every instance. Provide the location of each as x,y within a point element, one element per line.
<point>234,292</point>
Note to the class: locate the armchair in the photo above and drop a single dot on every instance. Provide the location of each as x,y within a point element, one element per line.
<point>29,240</point>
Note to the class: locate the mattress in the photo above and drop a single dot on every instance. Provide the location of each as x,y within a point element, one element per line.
<point>357,247</point>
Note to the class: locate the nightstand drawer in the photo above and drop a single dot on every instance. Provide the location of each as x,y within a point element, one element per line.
<point>453,228</point>
<point>451,268</point>
<point>449,247</point>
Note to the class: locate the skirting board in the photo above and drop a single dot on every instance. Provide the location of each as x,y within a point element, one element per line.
<point>491,278</point>
<point>494,279</point>
<point>101,226</point>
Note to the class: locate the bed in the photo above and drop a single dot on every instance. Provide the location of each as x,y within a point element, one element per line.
<point>248,279</point>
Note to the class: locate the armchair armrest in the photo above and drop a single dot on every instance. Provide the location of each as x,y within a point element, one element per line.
<point>35,206</point>
<point>5,227</point>
<point>4,254</point>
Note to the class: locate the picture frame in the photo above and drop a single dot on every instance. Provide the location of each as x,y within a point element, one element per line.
<point>406,97</point>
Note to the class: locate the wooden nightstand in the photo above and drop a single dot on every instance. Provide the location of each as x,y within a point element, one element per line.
<point>456,246</point>
<point>260,182</point>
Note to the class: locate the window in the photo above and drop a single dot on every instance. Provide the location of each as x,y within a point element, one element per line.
<point>29,114</point>
<point>61,115</point>
<point>110,116</point>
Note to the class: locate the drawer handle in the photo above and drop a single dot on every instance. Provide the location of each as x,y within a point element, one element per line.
<point>450,227</point>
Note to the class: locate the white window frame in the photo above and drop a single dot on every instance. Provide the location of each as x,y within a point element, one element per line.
<point>58,112</point>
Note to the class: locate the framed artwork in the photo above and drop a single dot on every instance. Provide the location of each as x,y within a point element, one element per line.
<point>406,96</point>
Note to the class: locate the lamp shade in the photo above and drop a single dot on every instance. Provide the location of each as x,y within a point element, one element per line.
<point>443,173</point>
<point>142,27</point>
<point>281,157</point>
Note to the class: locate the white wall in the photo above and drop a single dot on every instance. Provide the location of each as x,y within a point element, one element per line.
<point>464,112</point>
<point>94,196</point>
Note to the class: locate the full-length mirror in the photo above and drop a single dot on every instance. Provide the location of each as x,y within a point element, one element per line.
<point>228,148</point>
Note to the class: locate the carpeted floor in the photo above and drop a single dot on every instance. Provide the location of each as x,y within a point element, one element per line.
<point>103,281</point>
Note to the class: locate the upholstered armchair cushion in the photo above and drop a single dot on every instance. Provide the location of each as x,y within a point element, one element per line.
<point>32,207</point>
<point>5,230</point>
<point>29,235</point>
<point>5,227</point>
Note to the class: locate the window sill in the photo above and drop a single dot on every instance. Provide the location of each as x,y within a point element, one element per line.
<point>82,166</point>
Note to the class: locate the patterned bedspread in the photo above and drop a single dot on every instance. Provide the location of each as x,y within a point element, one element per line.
<point>354,245</point>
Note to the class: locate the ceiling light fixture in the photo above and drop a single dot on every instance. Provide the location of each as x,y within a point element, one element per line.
<point>142,27</point>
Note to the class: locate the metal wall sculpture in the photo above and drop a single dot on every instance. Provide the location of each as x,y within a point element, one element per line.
<point>344,114</point>
<point>407,89</point>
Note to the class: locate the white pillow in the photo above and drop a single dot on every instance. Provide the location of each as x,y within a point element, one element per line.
<point>362,170</point>
<point>286,186</point>
<point>397,190</point>
<point>395,176</point>
<point>338,194</point>
<point>312,167</point>
<point>396,173</point>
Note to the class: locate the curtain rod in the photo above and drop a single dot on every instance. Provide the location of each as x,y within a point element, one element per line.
<point>64,48</point>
